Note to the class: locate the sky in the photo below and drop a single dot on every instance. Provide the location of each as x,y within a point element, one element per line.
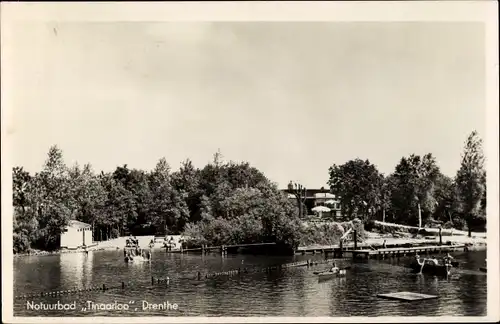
<point>290,98</point>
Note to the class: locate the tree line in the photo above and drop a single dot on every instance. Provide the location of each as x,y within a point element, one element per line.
<point>416,193</point>
<point>234,203</point>
<point>221,203</point>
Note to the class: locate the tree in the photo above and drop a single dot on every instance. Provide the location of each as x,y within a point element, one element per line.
<point>300,193</point>
<point>242,201</point>
<point>471,182</point>
<point>358,183</point>
<point>25,222</point>
<point>20,181</point>
<point>187,182</point>
<point>169,211</point>
<point>446,200</point>
<point>119,207</point>
<point>89,195</point>
<point>55,204</point>
<point>414,180</point>
<point>385,195</point>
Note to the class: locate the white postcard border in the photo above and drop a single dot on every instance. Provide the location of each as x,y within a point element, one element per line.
<point>459,11</point>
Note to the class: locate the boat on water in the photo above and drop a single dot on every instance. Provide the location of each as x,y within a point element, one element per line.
<point>325,275</point>
<point>134,254</point>
<point>432,266</point>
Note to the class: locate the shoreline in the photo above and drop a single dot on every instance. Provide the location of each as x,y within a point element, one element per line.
<point>476,242</point>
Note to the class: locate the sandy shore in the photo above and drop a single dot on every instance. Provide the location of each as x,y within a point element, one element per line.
<point>114,244</point>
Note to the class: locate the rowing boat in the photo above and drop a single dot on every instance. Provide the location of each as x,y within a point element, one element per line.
<point>432,266</point>
<point>325,275</point>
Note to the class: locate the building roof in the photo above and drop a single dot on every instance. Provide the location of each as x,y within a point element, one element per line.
<point>314,194</point>
<point>78,224</point>
<point>324,195</point>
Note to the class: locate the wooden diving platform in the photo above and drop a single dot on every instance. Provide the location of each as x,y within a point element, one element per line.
<point>407,296</point>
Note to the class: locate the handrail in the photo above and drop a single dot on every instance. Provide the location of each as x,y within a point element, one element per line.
<point>346,233</point>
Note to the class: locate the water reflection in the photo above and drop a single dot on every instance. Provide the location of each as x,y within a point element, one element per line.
<point>76,269</point>
<point>291,292</point>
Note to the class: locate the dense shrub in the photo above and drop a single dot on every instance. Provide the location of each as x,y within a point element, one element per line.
<point>115,233</point>
<point>21,243</point>
<point>370,225</point>
<point>449,225</point>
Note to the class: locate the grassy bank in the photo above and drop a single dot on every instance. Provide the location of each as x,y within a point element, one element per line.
<point>329,233</point>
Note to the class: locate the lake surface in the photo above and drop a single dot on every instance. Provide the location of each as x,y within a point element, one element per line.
<point>289,292</point>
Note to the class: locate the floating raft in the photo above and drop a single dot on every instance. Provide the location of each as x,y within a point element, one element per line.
<point>407,296</point>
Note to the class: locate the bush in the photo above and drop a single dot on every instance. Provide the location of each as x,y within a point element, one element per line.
<point>449,225</point>
<point>370,225</point>
<point>217,231</point>
<point>115,233</point>
<point>478,224</point>
<point>21,243</point>
<point>195,234</point>
<point>355,224</point>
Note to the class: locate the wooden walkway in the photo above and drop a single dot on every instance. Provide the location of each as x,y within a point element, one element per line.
<point>406,250</point>
<point>221,248</point>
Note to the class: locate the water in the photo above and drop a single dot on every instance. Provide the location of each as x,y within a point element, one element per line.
<point>290,292</point>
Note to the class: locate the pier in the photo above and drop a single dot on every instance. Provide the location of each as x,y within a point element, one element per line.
<point>221,248</point>
<point>404,251</point>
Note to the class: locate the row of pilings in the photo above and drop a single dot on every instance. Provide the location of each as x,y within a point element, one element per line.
<point>166,281</point>
<point>267,269</point>
<point>103,288</point>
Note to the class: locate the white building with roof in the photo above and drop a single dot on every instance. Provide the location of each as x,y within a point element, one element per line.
<point>76,234</point>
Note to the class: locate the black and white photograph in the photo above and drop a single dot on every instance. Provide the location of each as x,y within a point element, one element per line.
<point>176,161</point>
